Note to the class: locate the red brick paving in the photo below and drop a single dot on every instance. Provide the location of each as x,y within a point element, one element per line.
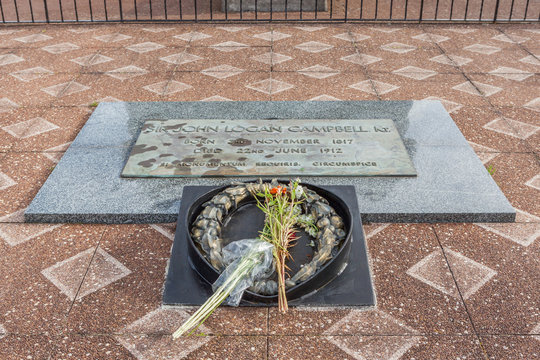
<point>443,290</point>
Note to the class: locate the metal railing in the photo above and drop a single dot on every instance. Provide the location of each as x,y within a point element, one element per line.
<point>95,11</point>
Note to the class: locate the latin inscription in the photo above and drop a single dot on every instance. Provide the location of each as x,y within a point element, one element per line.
<point>198,148</point>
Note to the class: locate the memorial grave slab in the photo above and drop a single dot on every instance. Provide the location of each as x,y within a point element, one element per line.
<point>450,185</point>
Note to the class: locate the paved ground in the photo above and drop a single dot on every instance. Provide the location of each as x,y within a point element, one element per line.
<point>444,291</point>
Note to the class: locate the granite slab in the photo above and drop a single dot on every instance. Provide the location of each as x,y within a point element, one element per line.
<point>452,184</point>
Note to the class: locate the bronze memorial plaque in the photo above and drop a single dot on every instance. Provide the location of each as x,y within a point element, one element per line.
<point>201,147</point>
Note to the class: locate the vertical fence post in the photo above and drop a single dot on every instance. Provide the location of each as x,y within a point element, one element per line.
<point>2,11</point>
<point>496,11</point>
<point>121,11</point>
<point>421,11</point>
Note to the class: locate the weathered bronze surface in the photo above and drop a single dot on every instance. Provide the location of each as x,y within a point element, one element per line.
<point>198,148</point>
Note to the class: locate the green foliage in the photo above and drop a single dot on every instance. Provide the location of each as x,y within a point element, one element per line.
<point>491,170</point>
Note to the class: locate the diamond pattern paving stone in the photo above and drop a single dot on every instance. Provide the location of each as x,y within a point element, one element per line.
<point>229,46</point>
<point>324,97</point>
<point>271,58</point>
<point>530,59</point>
<point>145,47</point>
<point>7,105</point>
<point>29,128</point>
<point>112,38</point>
<point>314,46</point>
<point>511,73</point>
<point>536,332</point>
<point>233,29</point>
<point>534,104</point>
<point>469,88</point>
<point>192,36</point>
<point>6,181</point>
<point>156,30</point>
<point>31,73</point>
<point>399,48</point>
<point>272,36</point>
<point>461,30</point>
<point>374,87</point>
<point>386,30</point>
<point>15,234</point>
<point>352,37</point>
<point>6,59</point>
<point>482,49</point>
<point>165,88</point>
<point>92,59</point>
<point>361,59</point>
<point>164,320</point>
<point>222,71</point>
<point>414,72</point>
<point>485,154</point>
<point>181,58</point>
<point>431,37</point>
<point>372,347</point>
<point>449,59</point>
<point>534,182</point>
<point>270,86</point>
<point>216,98</point>
<point>310,28</point>
<point>66,275</point>
<point>470,275</point>
<point>524,231</point>
<point>55,153</point>
<point>168,230</point>
<point>60,48</point>
<point>126,72</point>
<point>65,89</point>
<point>510,38</point>
<point>450,106</point>
<point>33,38</point>
<point>318,72</point>
<point>512,128</point>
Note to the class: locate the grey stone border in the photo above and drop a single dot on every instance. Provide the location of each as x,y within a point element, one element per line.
<point>452,184</point>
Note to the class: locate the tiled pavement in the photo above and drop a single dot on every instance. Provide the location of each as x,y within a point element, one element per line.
<point>444,291</point>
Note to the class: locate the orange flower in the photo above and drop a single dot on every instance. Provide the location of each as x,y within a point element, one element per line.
<point>278,189</point>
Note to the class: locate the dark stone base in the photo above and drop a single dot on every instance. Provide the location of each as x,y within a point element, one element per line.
<point>273,5</point>
<point>353,287</point>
